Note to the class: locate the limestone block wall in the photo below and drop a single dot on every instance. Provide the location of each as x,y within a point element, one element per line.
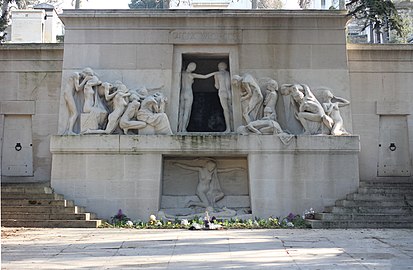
<point>108,172</point>
<point>144,48</point>
<point>381,79</point>
<point>30,77</point>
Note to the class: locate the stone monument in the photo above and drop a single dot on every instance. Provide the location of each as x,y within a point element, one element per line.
<point>177,112</point>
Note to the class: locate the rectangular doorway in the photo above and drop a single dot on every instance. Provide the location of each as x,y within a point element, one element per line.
<point>17,150</point>
<point>206,113</point>
<point>394,158</point>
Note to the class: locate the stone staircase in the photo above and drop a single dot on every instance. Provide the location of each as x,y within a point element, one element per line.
<point>36,205</point>
<point>384,204</point>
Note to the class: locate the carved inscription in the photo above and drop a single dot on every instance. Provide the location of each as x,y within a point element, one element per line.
<point>207,37</point>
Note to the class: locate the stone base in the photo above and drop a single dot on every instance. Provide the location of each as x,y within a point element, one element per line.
<point>110,172</point>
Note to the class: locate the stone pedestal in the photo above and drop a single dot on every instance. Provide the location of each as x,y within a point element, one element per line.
<point>108,172</point>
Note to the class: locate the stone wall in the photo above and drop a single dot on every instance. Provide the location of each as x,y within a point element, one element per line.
<point>30,78</point>
<point>381,79</point>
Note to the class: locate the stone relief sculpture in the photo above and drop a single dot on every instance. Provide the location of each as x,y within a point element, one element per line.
<point>187,96</point>
<point>107,107</point>
<point>69,89</point>
<point>318,113</point>
<point>251,96</point>
<point>332,109</point>
<point>271,98</point>
<point>126,121</point>
<point>310,110</point>
<point>151,112</point>
<point>89,93</point>
<point>223,84</point>
<point>208,189</point>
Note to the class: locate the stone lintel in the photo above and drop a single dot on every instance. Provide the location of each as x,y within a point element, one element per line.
<point>202,144</point>
<point>18,107</point>
<point>393,108</point>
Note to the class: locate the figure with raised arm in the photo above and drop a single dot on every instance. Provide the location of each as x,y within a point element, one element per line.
<point>187,96</point>
<point>69,90</point>
<point>332,109</point>
<point>91,80</point>
<point>208,189</point>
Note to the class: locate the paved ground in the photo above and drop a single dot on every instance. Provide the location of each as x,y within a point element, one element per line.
<point>181,249</point>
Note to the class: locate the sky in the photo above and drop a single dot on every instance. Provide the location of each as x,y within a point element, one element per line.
<point>123,4</point>
<point>99,4</point>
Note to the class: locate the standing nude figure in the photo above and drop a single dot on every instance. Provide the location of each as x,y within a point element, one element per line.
<point>187,97</point>
<point>71,87</point>
<point>223,84</point>
<point>208,190</point>
<point>91,81</point>
<point>120,101</point>
<point>272,97</point>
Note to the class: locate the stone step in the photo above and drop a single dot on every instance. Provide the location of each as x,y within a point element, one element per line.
<point>351,224</point>
<point>31,196</point>
<point>378,197</point>
<point>408,183</point>
<point>51,223</point>
<point>43,209</point>
<point>383,203</point>
<point>385,190</point>
<point>47,216</point>
<point>26,188</point>
<point>361,217</point>
<point>28,202</point>
<point>370,210</point>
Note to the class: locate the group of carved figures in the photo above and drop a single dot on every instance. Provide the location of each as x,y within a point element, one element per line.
<point>106,107</point>
<point>317,112</point>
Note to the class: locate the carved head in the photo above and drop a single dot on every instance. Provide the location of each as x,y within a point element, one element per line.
<point>210,165</point>
<point>222,66</point>
<point>88,72</point>
<point>236,80</point>
<point>297,95</point>
<point>191,67</point>
<point>267,112</point>
<point>272,85</point>
<point>324,95</point>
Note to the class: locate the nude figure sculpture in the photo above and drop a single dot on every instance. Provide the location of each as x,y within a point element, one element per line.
<point>69,90</point>
<point>127,121</point>
<point>187,96</point>
<point>223,84</point>
<point>89,94</point>
<point>332,109</point>
<point>251,93</point>
<point>208,189</point>
<point>310,109</point>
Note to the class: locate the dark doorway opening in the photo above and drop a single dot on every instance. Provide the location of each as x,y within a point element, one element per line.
<point>206,113</point>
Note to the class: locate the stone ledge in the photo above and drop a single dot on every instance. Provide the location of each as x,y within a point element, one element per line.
<point>198,144</point>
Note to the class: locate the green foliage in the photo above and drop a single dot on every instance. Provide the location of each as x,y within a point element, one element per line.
<point>376,13</point>
<point>291,221</point>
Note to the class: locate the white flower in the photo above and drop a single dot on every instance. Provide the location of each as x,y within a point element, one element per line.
<point>129,223</point>
<point>184,222</point>
<point>152,218</point>
<point>290,224</point>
